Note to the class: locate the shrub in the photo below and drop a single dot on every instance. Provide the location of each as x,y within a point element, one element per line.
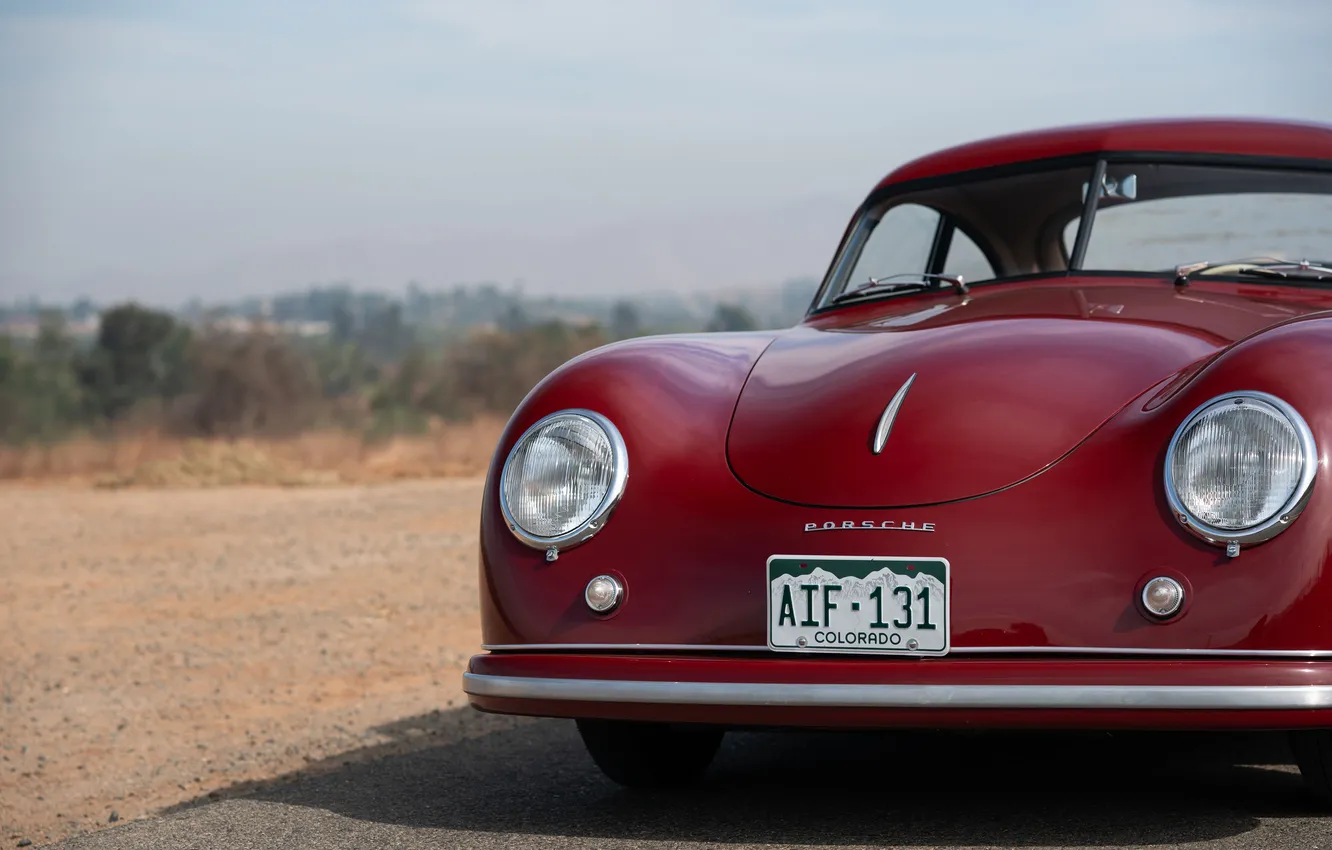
<point>247,383</point>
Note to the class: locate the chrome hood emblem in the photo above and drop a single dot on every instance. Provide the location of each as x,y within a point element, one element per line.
<point>889,414</point>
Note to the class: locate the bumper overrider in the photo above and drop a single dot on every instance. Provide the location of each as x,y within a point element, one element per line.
<point>760,690</point>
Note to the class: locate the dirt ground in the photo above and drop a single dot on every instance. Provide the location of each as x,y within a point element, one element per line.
<point>158,645</point>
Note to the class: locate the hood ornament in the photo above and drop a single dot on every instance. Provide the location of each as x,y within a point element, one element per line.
<point>890,413</point>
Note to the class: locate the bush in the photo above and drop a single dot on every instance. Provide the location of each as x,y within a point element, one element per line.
<point>494,370</point>
<point>40,395</point>
<point>731,317</point>
<point>146,369</point>
<point>139,355</point>
<point>488,372</point>
<point>247,383</point>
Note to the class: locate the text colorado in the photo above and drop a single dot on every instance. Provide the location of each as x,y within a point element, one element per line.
<point>858,638</point>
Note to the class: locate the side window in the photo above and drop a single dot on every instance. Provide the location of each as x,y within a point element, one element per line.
<point>900,243</point>
<point>965,258</point>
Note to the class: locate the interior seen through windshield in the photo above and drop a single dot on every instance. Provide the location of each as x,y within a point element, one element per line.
<point>1149,218</point>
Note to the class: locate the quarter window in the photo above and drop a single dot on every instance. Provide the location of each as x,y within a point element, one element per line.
<point>898,244</point>
<point>903,241</point>
<point>965,258</point>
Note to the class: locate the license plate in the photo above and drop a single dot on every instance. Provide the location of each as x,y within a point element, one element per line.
<point>880,605</point>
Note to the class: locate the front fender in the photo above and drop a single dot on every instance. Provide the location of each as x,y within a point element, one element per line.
<point>671,397</point>
<point>1283,360</point>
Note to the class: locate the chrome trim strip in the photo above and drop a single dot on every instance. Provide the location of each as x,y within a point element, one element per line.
<point>620,647</point>
<point>956,650</point>
<point>904,696</point>
<point>889,414</point>
<point>1148,651</point>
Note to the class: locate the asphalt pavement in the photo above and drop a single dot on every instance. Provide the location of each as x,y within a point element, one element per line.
<point>533,786</point>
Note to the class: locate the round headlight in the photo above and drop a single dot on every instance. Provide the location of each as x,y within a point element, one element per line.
<point>1240,468</point>
<point>562,479</point>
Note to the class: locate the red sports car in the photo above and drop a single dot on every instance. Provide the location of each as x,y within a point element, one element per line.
<point>1047,450</point>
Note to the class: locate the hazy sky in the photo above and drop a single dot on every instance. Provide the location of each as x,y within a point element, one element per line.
<point>164,150</point>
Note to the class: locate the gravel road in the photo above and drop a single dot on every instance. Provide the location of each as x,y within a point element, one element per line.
<point>282,668</point>
<point>157,644</point>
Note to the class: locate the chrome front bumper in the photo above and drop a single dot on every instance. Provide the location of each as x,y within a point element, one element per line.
<point>905,696</point>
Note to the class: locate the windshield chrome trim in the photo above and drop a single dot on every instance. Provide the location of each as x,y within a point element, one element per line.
<point>803,694</point>
<point>859,229</point>
<point>881,194</point>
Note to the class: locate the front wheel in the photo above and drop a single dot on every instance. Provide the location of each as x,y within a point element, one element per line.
<point>649,755</point>
<point>1313,753</point>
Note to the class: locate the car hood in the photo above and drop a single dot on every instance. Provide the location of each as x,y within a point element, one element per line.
<point>1002,384</point>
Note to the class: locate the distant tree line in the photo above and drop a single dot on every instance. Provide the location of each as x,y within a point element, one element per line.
<point>428,312</point>
<point>374,369</point>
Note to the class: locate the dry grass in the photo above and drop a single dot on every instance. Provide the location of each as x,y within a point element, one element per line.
<point>324,457</point>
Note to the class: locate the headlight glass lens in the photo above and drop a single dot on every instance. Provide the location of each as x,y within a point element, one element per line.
<point>1236,465</point>
<point>558,475</point>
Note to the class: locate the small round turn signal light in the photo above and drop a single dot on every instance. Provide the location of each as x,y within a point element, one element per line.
<point>603,594</point>
<point>1162,597</point>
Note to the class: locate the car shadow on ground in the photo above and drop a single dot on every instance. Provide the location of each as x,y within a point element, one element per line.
<point>444,770</point>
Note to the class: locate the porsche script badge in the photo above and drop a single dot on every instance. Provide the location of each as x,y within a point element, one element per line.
<point>869,525</point>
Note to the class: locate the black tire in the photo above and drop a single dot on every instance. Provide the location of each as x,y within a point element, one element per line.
<point>649,755</point>
<point>1313,753</point>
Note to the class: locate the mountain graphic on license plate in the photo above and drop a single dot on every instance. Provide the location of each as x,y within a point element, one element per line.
<point>881,605</point>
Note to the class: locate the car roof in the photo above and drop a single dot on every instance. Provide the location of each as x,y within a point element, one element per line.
<point>1243,136</point>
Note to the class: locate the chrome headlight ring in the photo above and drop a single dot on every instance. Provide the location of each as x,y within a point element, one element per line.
<point>588,523</point>
<point>1275,522</point>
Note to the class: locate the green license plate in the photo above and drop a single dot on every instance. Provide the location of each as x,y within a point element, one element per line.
<point>879,605</point>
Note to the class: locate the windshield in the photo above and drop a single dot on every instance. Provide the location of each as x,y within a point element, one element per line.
<point>1147,218</point>
<point>1187,213</point>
